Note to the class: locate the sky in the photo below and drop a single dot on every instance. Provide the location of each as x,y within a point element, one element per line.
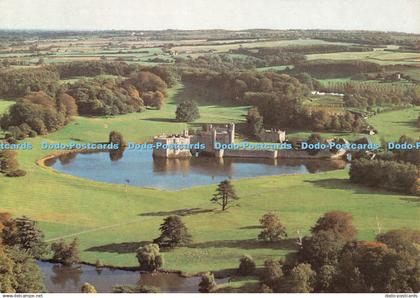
<point>382,15</point>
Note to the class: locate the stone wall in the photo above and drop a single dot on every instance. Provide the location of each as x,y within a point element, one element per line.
<point>303,154</point>
<point>271,154</point>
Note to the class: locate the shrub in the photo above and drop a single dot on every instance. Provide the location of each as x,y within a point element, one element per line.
<point>66,253</point>
<point>117,138</point>
<point>8,162</point>
<point>88,288</point>
<point>246,265</point>
<point>99,264</point>
<point>187,111</point>
<point>385,174</point>
<point>207,283</point>
<point>149,257</point>
<point>134,289</point>
<point>16,173</point>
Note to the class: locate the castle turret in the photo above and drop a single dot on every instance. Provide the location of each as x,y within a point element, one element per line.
<point>231,131</point>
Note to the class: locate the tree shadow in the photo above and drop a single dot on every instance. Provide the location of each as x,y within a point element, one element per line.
<point>415,200</point>
<point>345,184</point>
<point>120,248</point>
<point>179,212</point>
<point>250,227</point>
<point>161,120</point>
<point>411,123</point>
<point>289,244</point>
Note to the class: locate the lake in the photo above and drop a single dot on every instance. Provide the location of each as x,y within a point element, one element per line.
<point>139,168</point>
<point>65,279</point>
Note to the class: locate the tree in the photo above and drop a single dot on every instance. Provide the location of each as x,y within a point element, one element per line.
<point>225,195</point>
<point>8,162</point>
<point>24,233</point>
<point>338,221</point>
<point>247,265</point>
<point>158,100</point>
<point>207,283</point>
<point>8,280</point>
<point>116,137</point>
<point>255,122</point>
<point>273,230</point>
<point>149,257</point>
<point>19,272</point>
<point>401,240</point>
<point>67,104</point>
<point>325,279</point>
<point>88,288</point>
<point>300,279</point>
<point>373,267</point>
<point>147,81</point>
<point>173,233</point>
<point>272,274</point>
<point>66,253</point>
<point>187,111</point>
<point>323,248</point>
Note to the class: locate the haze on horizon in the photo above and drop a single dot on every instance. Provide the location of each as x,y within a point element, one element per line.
<point>378,15</point>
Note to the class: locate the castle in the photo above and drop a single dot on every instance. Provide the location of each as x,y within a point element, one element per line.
<point>203,143</point>
<point>177,146</point>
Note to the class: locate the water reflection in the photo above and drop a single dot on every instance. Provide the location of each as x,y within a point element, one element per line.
<point>61,275</point>
<point>141,169</point>
<point>64,279</point>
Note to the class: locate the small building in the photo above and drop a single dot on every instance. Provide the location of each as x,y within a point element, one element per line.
<point>173,146</point>
<point>214,133</point>
<point>273,136</point>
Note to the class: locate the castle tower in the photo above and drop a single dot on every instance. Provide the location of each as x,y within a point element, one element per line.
<point>231,131</point>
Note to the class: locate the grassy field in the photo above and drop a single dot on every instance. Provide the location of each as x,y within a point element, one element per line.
<point>270,43</point>
<point>378,56</point>
<point>112,221</point>
<point>392,125</point>
<point>4,105</point>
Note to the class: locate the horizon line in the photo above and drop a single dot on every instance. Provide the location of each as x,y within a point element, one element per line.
<point>200,29</point>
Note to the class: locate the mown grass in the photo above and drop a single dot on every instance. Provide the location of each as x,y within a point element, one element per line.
<point>111,221</point>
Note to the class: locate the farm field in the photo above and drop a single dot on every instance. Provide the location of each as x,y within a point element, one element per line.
<point>67,206</point>
<point>269,43</point>
<point>378,56</point>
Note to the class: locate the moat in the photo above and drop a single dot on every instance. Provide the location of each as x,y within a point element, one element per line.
<point>64,279</point>
<point>139,168</point>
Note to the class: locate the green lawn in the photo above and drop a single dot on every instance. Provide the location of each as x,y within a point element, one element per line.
<point>4,105</point>
<point>112,222</point>
<point>392,125</point>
